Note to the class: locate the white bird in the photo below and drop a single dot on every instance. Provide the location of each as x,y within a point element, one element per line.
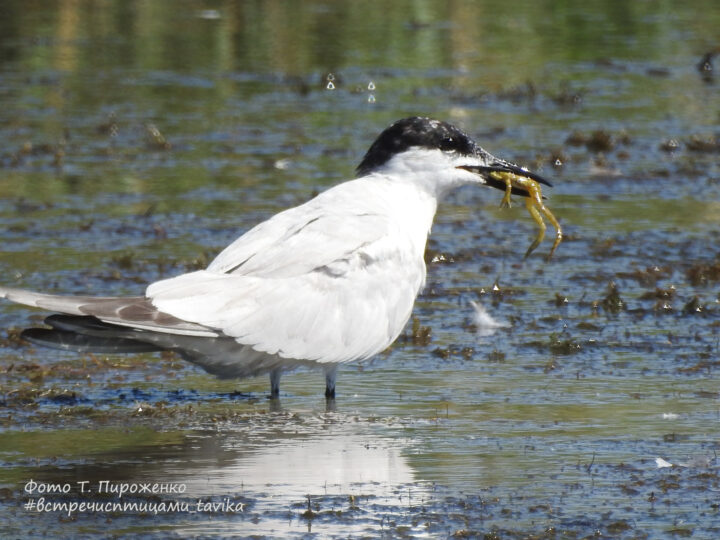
<point>328,282</point>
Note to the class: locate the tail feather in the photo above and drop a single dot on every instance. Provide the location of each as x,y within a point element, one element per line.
<point>132,311</point>
<point>64,304</point>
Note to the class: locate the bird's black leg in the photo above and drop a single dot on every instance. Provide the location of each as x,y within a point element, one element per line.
<point>330,377</point>
<point>275,383</point>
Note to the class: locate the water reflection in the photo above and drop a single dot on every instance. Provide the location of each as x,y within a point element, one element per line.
<point>269,465</point>
<point>292,468</point>
<point>301,37</point>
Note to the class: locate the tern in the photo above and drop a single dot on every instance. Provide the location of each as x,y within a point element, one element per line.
<point>325,283</point>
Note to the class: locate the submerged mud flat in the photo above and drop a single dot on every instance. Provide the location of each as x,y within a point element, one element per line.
<point>333,474</point>
<point>590,409</point>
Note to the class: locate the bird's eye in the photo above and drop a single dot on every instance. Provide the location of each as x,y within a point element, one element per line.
<point>448,143</point>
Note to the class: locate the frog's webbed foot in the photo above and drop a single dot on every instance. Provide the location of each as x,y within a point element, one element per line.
<point>505,203</point>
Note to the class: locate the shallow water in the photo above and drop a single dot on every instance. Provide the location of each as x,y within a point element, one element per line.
<point>140,138</point>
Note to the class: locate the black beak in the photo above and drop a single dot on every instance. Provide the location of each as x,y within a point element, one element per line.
<point>504,166</point>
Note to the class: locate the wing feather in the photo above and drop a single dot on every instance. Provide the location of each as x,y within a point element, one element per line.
<point>350,308</point>
<point>300,239</point>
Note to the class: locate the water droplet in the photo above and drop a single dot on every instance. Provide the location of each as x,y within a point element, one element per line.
<point>330,85</point>
<point>371,86</point>
<point>371,98</point>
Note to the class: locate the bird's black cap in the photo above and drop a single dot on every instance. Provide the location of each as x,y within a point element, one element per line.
<point>414,131</point>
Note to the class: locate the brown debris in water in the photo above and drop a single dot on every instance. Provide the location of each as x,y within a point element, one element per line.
<point>703,273</point>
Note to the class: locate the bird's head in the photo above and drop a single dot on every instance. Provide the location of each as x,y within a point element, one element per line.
<point>437,155</point>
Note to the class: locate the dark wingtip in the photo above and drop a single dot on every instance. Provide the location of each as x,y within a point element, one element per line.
<point>73,341</point>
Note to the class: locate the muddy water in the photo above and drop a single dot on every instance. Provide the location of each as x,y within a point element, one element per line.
<point>138,139</point>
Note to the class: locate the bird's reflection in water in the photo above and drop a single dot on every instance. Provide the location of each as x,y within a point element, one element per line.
<point>271,463</point>
<point>314,465</point>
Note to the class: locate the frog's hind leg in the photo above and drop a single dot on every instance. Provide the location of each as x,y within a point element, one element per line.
<point>530,204</point>
<point>558,230</point>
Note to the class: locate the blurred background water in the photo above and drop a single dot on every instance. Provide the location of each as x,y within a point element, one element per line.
<point>138,138</point>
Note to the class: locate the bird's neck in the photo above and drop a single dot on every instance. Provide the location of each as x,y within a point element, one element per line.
<point>411,205</point>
